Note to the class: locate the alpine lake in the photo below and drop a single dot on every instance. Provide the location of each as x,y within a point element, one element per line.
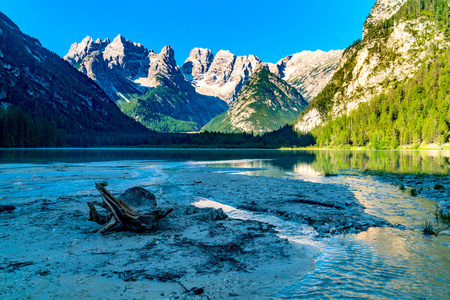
<point>397,262</point>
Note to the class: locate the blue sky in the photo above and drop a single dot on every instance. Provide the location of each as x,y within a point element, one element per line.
<point>270,30</point>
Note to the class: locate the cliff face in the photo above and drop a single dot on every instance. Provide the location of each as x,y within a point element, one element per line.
<point>221,76</point>
<point>309,72</point>
<point>382,10</point>
<point>114,66</point>
<point>172,104</point>
<point>397,41</point>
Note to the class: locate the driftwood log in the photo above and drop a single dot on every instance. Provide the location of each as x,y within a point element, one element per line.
<point>121,215</point>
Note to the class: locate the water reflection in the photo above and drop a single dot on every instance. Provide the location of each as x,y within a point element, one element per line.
<point>304,162</point>
<point>306,170</point>
<point>381,262</point>
<point>313,163</point>
<point>431,162</point>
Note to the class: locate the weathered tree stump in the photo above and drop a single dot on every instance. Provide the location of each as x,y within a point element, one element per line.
<point>121,215</point>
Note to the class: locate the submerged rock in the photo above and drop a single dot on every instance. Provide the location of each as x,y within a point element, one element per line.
<point>206,214</point>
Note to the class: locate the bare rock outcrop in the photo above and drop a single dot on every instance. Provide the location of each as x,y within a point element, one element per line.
<point>224,77</point>
<point>113,65</point>
<point>198,63</point>
<point>163,65</point>
<point>309,72</point>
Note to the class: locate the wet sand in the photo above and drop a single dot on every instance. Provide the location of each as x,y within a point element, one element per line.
<point>48,248</point>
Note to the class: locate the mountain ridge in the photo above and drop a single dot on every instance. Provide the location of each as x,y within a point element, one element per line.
<point>127,71</point>
<point>264,104</point>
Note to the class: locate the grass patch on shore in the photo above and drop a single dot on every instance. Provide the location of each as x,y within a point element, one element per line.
<point>328,173</point>
<point>442,222</point>
<point>428,228</point>
<point>442,216</point>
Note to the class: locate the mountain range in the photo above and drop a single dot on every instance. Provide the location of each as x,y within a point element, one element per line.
<point>387,90</point>
<point>151,88</point>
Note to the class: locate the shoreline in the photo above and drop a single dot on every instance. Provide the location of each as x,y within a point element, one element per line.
<point>48,248</point>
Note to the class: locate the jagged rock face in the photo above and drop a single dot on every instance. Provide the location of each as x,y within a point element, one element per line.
<point>38,81</point>
<point>125,69</point>
<point>78,51</point>
<point>120,54</point>
<point>130,74</point>
<point>366,70</point>
<point>113,65</point>
<point>221,68</point>
<point>309,72</point>
<point>93,65</point>
<point>198,63</point>
<point>264,104</point>
<point>129,57</point>
<point>221,76</point>
<point>164,64</point>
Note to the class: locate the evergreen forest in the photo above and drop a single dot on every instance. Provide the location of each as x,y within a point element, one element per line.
<point>413,112</point>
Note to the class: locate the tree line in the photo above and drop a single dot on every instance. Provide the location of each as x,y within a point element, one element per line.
<point>19,129</point>
<point>415,111</point>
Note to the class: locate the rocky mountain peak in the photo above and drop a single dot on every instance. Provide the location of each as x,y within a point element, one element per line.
<point>102,61</point>
<point>254,59</point>
<point>167,55</point>
<point>152,53</point>
<point>308,71</point>
<point>221,68</point>
<point>164,65</point>
<point>224,74</point>
<point>86,41</point>
<point>265,103</point>
<point>119,39</point>
<point>126,55</point>
<point>198,63</point>
<point>201,54</point>
<point>49,85</point>
<point>78,51</point>
<point>389,52</point>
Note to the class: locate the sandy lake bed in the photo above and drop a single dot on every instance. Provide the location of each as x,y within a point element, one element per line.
<point>213,240</point>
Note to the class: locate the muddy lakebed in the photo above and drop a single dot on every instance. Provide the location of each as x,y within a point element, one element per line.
<point>245,225</point>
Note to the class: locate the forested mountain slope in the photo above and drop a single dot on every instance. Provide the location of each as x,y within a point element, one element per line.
<point>44,101</point>
<point>400,63</point>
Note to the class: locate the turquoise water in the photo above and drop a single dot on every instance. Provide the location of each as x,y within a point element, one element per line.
<point>382,263</point>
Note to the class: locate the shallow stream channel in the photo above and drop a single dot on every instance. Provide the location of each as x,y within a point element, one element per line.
<point>398,262</point>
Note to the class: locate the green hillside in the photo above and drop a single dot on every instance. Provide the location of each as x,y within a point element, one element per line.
<point>265,103</point>
<point>411,111</point>
<point>414,111</point>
